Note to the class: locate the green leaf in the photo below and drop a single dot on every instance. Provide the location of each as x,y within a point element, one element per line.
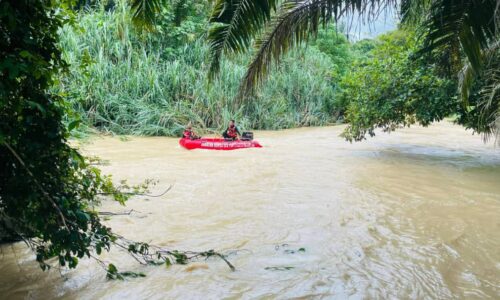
<point>36,105</point>
<point>73,262</point>
<point>84,216</point>
<point>74,124</point>
<point>112,268</point>
<point>24,54</point>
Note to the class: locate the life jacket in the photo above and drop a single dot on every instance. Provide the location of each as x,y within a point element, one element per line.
<point>231,132</point>
<point>187,134</point>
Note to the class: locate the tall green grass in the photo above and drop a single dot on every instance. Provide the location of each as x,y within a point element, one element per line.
<point>129,83</point>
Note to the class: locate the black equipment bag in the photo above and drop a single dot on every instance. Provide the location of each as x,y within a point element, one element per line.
<point>247,136</point>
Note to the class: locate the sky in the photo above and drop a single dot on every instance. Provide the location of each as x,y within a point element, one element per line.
<point>386,21</point>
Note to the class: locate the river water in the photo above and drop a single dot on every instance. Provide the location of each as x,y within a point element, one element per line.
<point>412,214</point>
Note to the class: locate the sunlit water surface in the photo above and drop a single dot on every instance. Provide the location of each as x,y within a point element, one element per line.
<point>412,214</point>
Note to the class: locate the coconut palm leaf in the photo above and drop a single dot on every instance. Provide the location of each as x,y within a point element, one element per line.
<point>144,11</point>
<point>414,13</point>
<point>490,92</point>
<point>235,23</point>
<point>485,88</point>
<point>470,22</point>
<point>468,74</point>
<point>465,82</point>
<point>180,9</point>
<point>296,22</point>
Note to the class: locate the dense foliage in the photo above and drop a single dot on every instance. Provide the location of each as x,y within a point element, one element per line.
<point>46,187</point>
<point>129,83</point>
<point>391,88</point>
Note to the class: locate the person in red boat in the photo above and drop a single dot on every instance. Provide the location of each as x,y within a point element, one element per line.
<point>231,132</point>
<point>189,133</point>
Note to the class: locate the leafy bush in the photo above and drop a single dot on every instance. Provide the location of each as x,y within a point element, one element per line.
<point>46,187</point>
<point>392,88</point>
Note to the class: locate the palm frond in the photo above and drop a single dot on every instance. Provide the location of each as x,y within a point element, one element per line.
<point>296,22</point>
<point>414,12</point>
<point>497,18</point>
<point>145,11</point>
<point>180,11</point>
<point>471,22</point>
<point>465,82</point>
<point>469,74</point>
<point>490,93</point>
<point>235,23</point>
<point>484,89</point>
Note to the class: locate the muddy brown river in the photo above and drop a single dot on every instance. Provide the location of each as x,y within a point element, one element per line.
<point>410,215</point>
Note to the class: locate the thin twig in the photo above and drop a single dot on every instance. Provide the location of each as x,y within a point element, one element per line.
<point>138,194</point>
<point>227,261</point>
<point>108,213</point>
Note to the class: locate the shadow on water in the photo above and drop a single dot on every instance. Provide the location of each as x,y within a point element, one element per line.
<point>442,156</point>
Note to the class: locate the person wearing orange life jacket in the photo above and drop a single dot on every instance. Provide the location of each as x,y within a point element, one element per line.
<point>231,132</point>
<point>189,133</point>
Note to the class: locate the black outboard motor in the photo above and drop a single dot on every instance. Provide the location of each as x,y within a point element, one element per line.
<point>247,136</point>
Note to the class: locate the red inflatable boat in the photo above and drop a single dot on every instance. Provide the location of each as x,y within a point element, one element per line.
<point>217,144</point>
